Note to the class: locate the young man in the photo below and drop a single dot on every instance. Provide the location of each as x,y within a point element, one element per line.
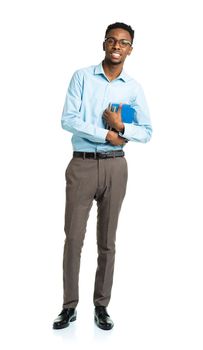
<point>98,168</point>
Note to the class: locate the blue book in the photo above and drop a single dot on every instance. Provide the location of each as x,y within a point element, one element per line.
<point>128,113</point>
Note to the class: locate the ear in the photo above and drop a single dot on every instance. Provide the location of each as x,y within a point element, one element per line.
<point>129,52</point>
<point>104,46</point>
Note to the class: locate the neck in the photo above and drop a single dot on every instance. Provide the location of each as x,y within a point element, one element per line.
<point>112,71</point>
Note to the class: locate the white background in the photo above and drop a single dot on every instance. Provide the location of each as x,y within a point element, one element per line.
<point>157,294</point>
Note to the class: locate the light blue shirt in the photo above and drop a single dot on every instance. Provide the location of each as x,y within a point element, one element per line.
<point>88,95</point>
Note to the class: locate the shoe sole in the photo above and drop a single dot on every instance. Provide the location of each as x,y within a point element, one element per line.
<point>65,325</point>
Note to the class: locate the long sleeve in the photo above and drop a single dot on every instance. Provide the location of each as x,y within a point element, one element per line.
<point>141,129</point>
<point>72,120</point>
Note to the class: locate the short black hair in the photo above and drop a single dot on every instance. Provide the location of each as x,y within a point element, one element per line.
<point>122,26</point>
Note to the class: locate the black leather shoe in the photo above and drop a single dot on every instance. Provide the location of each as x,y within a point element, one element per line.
<point>64,318</point>
<point>102,318</point>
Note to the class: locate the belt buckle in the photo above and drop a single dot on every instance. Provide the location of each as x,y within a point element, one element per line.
<point>102,155</point>
<point>109,155</point>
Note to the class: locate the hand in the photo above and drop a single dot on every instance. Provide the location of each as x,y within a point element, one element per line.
<point>114,119</point>
<point>115,139</point>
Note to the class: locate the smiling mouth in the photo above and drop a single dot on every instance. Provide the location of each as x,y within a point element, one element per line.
<point>115,55</point>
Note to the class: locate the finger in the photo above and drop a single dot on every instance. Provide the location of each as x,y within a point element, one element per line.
<point>110,106</point>
<point>107,113</point>
<point>120,107</point>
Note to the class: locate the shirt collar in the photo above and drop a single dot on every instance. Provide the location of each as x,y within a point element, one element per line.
<point>99,70</point>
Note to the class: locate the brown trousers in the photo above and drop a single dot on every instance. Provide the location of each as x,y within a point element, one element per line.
<point>105,181</point>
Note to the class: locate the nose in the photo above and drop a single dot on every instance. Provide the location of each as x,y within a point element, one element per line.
<point>116,45</point>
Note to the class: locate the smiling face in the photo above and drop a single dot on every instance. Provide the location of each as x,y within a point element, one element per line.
<point>117,47</point>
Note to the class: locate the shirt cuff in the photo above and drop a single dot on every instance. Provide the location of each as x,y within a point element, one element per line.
<point>101,134</point>
<point>127,131</point>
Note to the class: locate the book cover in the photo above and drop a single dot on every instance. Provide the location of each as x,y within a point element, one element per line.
<point>128,114</point>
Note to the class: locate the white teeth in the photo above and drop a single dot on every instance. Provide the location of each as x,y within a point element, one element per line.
<point>116,55</point>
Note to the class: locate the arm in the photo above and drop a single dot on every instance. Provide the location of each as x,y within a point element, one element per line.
<point>71,117</point>
<point>139,130</point>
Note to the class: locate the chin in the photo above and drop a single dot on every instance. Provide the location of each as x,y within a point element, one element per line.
<point>109,60</point>
<point>116,63</point>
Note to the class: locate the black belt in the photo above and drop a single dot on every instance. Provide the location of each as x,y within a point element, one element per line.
<point>98,155</point>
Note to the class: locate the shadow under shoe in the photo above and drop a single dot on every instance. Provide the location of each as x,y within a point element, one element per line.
<point>102,318</point>
<point>64,318</point>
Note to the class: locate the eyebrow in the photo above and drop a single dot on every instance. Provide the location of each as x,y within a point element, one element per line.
<point>113,37</point>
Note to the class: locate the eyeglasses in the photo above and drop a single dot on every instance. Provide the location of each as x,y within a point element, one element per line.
<point>122,42</point>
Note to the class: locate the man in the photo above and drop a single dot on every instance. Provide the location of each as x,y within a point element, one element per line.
<point>98,168</point>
